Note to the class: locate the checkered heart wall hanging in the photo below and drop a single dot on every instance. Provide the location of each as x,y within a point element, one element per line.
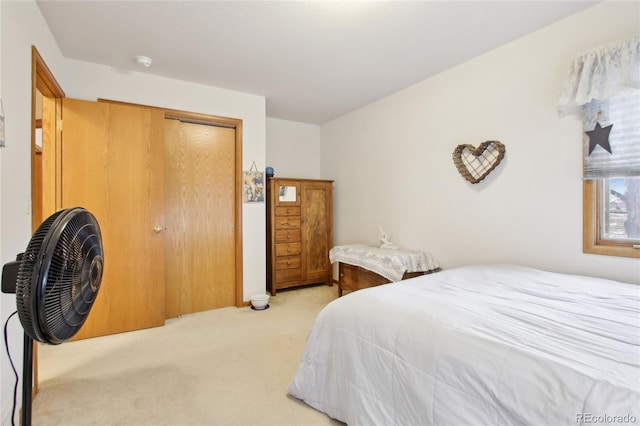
<point>475,164</point>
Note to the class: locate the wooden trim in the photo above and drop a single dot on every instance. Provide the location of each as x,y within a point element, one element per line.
<point>36,190</point>
<point>46,82</point>
<point>193,117</point>
<point>43,181</point>
<point>42,80</point>
<point>56,128</point>
<point>591,241</point>
<point>238,224</point>
<point>233,123</point>
<point>301,179</point>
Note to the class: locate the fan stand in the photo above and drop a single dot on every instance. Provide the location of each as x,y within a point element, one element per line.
<point>67,235</point>
<point>9,277</point>
<point>27,380</point>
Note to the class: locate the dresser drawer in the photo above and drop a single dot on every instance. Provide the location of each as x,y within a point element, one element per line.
<point>287,211</point>
<point>286,275</point>
<point>287,222</point>
<point>286,236</point>
<point>289,262</point>
<point>290,249</point>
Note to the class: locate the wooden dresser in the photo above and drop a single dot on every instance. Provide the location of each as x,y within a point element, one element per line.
<point>299,232</point>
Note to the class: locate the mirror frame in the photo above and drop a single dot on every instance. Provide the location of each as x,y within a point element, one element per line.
<point>278,183</point>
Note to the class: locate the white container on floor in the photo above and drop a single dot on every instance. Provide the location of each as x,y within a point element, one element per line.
<point>260,301</point>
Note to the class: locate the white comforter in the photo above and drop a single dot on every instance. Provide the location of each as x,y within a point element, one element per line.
<point>479,345</point>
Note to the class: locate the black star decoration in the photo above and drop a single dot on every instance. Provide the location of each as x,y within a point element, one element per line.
<point>599,136</point>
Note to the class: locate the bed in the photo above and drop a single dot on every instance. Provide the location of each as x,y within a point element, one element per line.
<point>477,345</point>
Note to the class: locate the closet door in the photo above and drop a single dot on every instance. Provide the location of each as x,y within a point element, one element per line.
<point>200,209</point>
<point>112,160</point>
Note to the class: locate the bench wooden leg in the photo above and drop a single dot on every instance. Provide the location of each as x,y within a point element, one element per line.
<point>337,282</point>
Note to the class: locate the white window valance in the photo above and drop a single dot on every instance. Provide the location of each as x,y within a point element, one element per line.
<point>600,73</point>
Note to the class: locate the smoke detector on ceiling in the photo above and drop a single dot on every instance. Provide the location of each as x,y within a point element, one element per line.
<point>143,60</point>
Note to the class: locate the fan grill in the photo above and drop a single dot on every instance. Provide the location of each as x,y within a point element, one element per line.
<point>74,278</point>
<point>60,278</point>
<point>28,267</point>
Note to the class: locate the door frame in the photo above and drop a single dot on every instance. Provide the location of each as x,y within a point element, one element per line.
<point>44,170</point>
<point>44,181</point>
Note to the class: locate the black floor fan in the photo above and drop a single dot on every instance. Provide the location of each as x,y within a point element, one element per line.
<point>56,280</point>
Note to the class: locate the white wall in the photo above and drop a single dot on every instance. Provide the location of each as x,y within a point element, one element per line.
<point>293,148</point>
<point>4,367</point>
<point>392,160</point>
<point>21,27</point>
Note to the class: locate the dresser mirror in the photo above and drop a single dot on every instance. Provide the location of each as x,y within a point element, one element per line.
<point>287,194</point>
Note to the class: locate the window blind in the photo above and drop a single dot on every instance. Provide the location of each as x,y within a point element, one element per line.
<point>622,111</point>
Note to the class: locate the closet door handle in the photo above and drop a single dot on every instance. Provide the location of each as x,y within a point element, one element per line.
<point>157,229</point>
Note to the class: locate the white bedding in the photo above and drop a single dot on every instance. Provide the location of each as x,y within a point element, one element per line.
<point>479,345</point>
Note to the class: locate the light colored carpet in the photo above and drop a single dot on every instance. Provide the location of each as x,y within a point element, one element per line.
<point>227,366</point>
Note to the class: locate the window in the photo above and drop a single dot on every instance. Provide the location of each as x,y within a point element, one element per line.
<point>611,216</point>
<point>611,163</point>
<point>619,219</point>
<point>603,87</point>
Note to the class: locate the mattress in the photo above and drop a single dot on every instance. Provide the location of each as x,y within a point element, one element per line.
<point>478,345</point>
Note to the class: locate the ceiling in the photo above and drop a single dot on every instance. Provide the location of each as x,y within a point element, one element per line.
<point>312,60</point>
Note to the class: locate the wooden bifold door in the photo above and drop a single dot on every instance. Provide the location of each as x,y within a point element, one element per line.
<point>165,196</point>
<point>112,164</point>
<point>199,216</point>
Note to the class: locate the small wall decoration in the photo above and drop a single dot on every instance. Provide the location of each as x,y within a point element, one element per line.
<point>253,182</point>
<point>475,164</point>
<point>599,136</point>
